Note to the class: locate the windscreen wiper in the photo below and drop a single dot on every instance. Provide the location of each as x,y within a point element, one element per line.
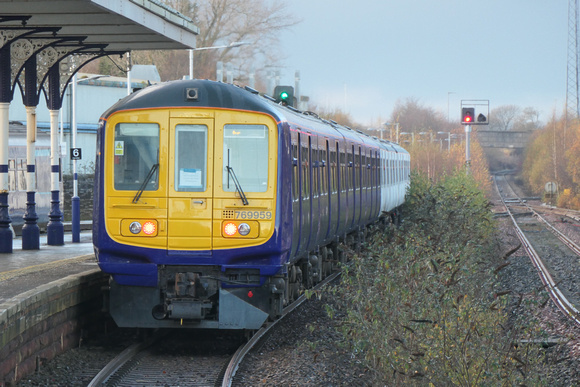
<point>152,171</point>
<point>237,184</point>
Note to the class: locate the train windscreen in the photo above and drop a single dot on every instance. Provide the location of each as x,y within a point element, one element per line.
<point>136,152</point>
<point>246,154</point>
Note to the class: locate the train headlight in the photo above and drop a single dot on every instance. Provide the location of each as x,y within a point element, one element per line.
<point>135,227</point>
<point>240,229</point>
<point>139,227</point>
<point>244,229</point>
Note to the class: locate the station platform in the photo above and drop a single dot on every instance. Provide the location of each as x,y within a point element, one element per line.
<point>24,270</point>
<point>47,298</point>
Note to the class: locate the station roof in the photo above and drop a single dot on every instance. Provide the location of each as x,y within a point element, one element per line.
<point>123,25</point>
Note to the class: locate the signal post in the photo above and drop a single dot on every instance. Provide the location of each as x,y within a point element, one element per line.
<point>468,110</point>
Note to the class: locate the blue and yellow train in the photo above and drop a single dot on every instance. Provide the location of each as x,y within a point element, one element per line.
<point>215,206</point>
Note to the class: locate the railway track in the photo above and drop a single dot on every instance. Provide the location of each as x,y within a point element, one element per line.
<point>555,256</point>
<point>175,359</point>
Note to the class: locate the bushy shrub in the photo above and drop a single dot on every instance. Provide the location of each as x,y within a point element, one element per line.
<point>421,300</point>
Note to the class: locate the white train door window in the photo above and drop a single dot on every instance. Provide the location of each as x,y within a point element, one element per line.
<point>191,158</point>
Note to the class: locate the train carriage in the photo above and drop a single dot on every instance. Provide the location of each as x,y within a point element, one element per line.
<point>215,206</point>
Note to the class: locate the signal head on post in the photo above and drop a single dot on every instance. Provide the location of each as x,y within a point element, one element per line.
<point>467,115</point>
<point>284,94</point>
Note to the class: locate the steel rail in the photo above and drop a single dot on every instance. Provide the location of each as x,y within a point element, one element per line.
<point>120,360</point>
<point>260,334</point>
<point>567,241</point>
<point>132,351</point>
<point>551,287</point>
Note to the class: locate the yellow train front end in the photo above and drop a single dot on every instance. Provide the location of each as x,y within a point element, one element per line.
<point>191,197</point>
<point>185,215</point>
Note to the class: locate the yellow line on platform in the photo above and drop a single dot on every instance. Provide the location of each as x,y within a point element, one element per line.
<point>43,266</point>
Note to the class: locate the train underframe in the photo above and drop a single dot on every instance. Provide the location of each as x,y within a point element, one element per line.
<point>205,297</point>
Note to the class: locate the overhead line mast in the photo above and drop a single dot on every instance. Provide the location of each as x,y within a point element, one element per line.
<point>572,103</point>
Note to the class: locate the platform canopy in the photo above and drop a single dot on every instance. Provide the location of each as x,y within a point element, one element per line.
<point>122,25</point>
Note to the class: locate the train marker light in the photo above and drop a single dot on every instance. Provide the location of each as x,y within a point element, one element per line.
<point>467,115</point>
<point>250,294</point>
<point>284,94</point>
<point>230,229</point>
<point>149,228</point>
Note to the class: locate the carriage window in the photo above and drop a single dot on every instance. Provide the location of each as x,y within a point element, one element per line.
<point>363,166</point>
<point>356,176</point>
<point>191,158</point>
<point>305,172</point>
<point>333,170</point>
<point>324,170</point>
<point>295,181</point>
<point>343,172</point>
<point>136,157</point>
<point>316,172</point>
<point>246,153</point>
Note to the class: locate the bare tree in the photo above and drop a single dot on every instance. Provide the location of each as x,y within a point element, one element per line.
<point>503,117</point>
<point>258,22</point>
<point>334,114</point>
<point>529,120</point>
<point>221,22</point>
<point>414,117</point>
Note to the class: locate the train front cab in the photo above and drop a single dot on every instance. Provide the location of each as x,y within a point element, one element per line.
<point>188,217</point>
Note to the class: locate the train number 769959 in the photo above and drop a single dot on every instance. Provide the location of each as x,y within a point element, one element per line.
<point>254,215</point>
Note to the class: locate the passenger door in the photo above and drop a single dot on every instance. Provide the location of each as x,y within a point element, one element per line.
<point>190,206</point>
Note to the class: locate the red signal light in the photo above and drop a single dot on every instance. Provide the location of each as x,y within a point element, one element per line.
<point>467,115</point>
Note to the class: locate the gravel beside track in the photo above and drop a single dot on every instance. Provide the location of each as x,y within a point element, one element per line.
<point>562,362</point>
<point>305,349</point>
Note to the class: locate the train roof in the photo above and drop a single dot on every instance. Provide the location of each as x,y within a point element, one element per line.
<point>211,94</point>
<point>192,93</point>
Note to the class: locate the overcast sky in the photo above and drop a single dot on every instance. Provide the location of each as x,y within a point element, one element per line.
<point>364,55</point>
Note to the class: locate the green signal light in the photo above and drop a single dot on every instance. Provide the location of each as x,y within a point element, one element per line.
<point>284,94</point>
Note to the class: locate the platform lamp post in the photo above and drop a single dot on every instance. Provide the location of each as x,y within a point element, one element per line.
<point>191,50</point>
<point>405,133</point>
<point>390,126</point>
<point>75,155</point>
<point>448,94</point>
<point>75,201</point>
<point>448,140</point>
<point>129,67</point>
